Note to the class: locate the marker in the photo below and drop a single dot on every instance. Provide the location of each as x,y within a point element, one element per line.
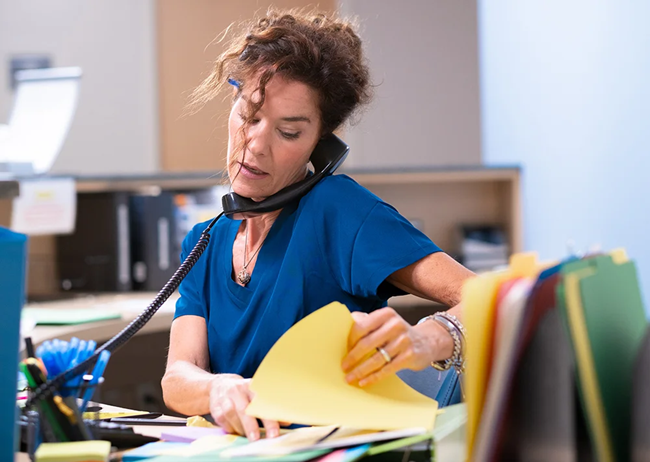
<point>98,371</point>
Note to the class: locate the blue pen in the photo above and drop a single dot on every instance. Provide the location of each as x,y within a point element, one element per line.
<point>58,348</point>
<point>98,371</point>
<point>76,354</point>
<point>70,355</point>
<point>49,359</point>
<point>73,347</point>
<point>86,349</point>
<point>49,362</point>
<point>90,348</point>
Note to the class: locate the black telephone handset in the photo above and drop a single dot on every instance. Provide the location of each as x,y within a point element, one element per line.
<point>329,153</point>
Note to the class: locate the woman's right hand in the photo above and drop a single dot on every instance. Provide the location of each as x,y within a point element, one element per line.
<point>229,397</point>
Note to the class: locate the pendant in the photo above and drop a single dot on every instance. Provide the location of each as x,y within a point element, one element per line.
<point>243,277</point>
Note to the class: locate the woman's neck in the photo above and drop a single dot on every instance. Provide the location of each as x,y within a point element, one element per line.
<point>258,227</point>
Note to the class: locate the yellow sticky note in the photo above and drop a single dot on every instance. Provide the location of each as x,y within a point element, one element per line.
<point>301,381</point>
<point>199,421</point>
<point>77,451</point>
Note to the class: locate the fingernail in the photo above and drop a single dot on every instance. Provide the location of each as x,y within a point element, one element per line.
<point>271,433</point>
<point>349,378</point>
<point>253,436</point>
<point>362,382</point>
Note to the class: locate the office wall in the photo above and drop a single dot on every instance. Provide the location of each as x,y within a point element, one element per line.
<point>423,55</point>
<point>186,48</point>
<point>116,126</point>
<point>565,93</point>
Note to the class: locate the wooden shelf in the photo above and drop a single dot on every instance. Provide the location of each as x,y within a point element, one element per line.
<point>437,199</point>
<point>434,175</point>
<point>443,198</point>
<point>136,183</point>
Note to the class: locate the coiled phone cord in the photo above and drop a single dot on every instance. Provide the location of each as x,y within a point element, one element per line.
<point>48,388</point>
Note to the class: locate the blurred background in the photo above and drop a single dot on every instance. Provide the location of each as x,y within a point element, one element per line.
<point>558,89</point>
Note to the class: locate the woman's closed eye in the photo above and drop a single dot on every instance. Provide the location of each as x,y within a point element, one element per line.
<point>289,135</point>
<point>285,134</point>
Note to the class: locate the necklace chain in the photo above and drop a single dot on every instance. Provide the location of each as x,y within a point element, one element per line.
<point>243,276</point>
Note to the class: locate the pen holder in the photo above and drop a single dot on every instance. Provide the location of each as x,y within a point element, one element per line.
<point>60,410</point>
<point>56,419</point>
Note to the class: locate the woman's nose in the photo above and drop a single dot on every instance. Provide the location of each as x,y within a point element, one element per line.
<point>258,138</point>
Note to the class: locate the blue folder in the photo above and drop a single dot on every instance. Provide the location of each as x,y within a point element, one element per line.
<point>13,256</point>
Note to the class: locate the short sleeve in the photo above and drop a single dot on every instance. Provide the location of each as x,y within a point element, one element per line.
<point>386,242</point>
<point>191,301</point>
<point>364,240</point>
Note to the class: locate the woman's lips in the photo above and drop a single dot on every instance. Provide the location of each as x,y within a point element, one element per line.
<point>251,172</point>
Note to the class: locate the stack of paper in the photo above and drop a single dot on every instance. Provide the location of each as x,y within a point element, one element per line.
<point>448,438</point>
<point>536,334</point>
<point>301,381</point>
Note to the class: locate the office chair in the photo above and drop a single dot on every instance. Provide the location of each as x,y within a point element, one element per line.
<point>444,387</point>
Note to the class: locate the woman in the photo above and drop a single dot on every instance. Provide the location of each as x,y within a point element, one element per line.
<point>297,77</point>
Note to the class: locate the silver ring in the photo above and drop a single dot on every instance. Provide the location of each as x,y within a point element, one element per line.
<point>385,354</point>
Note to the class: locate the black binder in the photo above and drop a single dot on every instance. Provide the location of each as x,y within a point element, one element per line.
<point>153,256</point>
<point>96,257</point>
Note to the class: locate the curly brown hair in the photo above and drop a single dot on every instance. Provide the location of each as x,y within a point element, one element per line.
<point>317,49</point>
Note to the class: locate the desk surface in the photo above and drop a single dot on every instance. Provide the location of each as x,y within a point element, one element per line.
<point>147,430</point>
<point>451,436</point>
<point>130,305</point>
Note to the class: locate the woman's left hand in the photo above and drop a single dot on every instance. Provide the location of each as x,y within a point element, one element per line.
<point>405,346</point>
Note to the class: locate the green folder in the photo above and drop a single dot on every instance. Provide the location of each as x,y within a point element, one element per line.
<point>615,321</point>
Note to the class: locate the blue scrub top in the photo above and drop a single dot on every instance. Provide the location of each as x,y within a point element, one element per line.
<point>338,243</point>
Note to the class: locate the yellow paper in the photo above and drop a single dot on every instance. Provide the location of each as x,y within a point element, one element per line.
<point>77,451</point>
<point>478,301</point>
<point>507,330</point>
<point>585,364</point>
<point>301,381</point>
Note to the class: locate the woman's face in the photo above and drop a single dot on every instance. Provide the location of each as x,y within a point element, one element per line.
<point>281,137</point>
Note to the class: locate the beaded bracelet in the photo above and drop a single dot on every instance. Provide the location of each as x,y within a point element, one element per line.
<point>457,332</point>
